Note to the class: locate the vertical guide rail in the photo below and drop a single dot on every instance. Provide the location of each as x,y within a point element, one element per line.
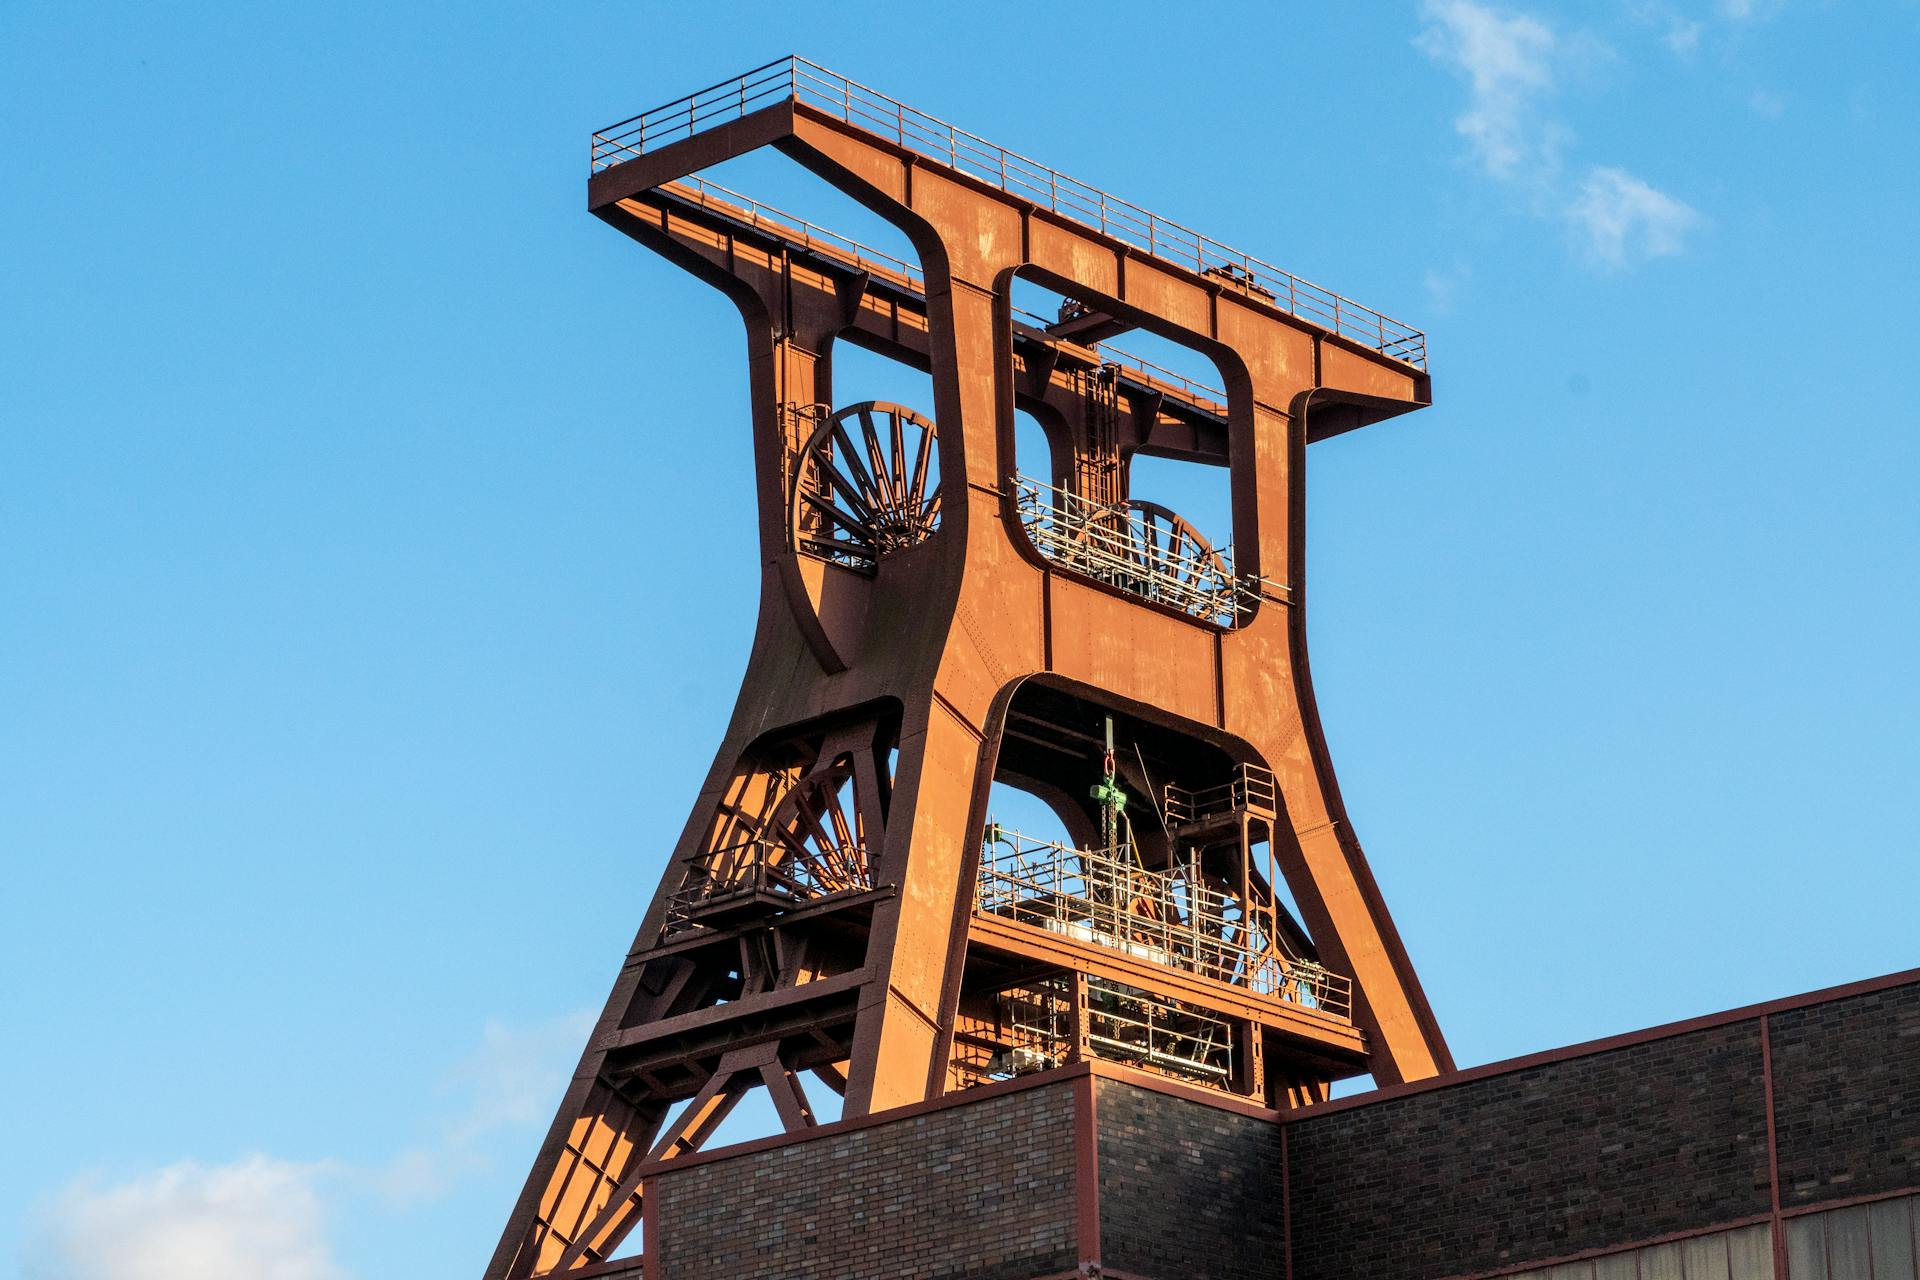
<point>794,79</point>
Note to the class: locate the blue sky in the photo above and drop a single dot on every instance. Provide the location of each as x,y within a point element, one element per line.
<point>350,699</point>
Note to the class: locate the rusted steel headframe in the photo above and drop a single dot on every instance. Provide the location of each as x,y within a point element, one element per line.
<point>824,913</point>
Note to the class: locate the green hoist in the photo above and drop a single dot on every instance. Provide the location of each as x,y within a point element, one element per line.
<point>1108,794</point>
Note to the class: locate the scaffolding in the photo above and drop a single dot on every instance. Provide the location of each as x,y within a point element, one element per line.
<point>1030,1029</point>
<point>1105,898</point>
<point>1035,1028</point>
<point>1138,547</point>
<point>1130,1026</point>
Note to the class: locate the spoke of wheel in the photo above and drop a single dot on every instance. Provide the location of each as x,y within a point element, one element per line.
<point>815,833</point>
<point>837,483</point>
<point>849,458</point>
<point>855,500</point>
<point>898,459</point>
<point>920,466</point>
<point>851,523</point>
<point>1160,542</point>
<point>842,833</point>
<point>886,499</point>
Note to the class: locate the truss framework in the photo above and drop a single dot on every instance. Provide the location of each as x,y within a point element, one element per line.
<point>827,920</point>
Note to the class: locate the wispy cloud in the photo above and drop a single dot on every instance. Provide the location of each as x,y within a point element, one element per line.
<point>1685,28</point>
<point>1513,63</point>
<point>512,1081</point>
<point>1683,34</point>
<point>1508,62</point>
<point>256,1219</point>
<point>1444,287</point>
<point>260,1218</point>
<point>1742,11</point>
<point>1621,220</point>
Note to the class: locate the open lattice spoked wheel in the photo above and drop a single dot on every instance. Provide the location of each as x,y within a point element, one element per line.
<point>1164,544</point>
<point>816,839</point>
<point>1151,551</point>
<point>866,483</point>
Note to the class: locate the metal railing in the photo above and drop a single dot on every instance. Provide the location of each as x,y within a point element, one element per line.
<point>1193,387</point>
<point>1105,898</point>
<point>750,870</point>
<point>1251,787</point>
<point>792,229</point>
<point>1117,545</point>
<point>1033,1029</point>
<point>795,79</point>
<point>1134,1027</point>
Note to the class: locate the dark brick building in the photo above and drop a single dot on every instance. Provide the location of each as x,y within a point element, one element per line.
<point>1780,1142</point>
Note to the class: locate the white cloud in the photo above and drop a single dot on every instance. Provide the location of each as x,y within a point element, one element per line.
<point>265,1219</point>
<point>1683,35</point>
<point>1762,102</point>
<point>1444,287</point>
<point>257,1219</point>
<point>514,1080</point>
<point>1508,62</point>
<point>1620,220</point>
<point>516,1076</point>
<point>1512,62</point>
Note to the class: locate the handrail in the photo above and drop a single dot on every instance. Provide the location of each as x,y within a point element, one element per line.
<point>791,227</point>
<point>1095,896</point>
<point>755,866</point>
<point>777,222</point>
<point>797,80</point>
<point>1114,545</point>
<point>1251,787</point>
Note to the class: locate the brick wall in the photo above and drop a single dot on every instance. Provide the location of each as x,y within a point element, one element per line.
<point>984,1191</point>
<point>1606,1156</point>
<point>1585,1153</point>
<point>1846,1082</point>
<point>1186,1190</point>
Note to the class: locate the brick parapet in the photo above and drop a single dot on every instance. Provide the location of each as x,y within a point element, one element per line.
<point>980,1192</point>
<point>1658,1137</point>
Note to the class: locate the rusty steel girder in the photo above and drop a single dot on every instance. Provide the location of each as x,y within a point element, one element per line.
<point>838,905</point>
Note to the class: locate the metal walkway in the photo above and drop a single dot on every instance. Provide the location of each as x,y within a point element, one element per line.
<point>794,79</point>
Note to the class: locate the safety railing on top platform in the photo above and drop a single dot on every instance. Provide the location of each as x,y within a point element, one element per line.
<point>1105,898</point>
<point>793,229</point>
<point>796,79</point>
<point>1251,789</point>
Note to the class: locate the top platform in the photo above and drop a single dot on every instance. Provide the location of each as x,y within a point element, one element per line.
<point>796,80</point>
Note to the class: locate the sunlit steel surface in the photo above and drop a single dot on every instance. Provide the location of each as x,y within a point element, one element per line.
<point>840,912</point>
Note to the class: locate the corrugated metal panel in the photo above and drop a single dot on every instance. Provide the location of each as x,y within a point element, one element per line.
<point>1891,1226</point>
<point>1849,1256</point>
<point>1878,1241</point>
<point>1705,1258</point>
<point>1807,1247</point>
<point>1662,1262</point>
<point>1750,1253</point>
<point>1619,1266</point>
